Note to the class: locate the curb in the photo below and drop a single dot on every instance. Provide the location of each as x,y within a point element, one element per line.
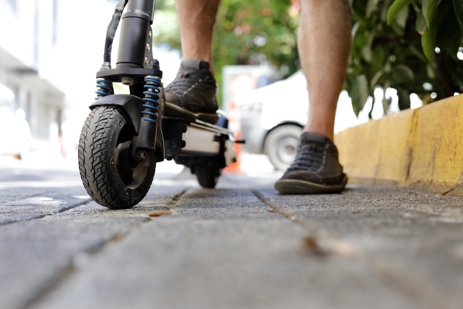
<point>419,148</point>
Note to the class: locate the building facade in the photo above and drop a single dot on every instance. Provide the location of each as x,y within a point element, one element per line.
<point>28,43</point>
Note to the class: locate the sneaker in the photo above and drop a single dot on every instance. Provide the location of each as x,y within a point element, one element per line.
<point>316,168</point>
<point>194,88</point>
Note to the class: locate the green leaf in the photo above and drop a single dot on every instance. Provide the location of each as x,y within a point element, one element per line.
<point>372,6</point>
<point>395,8</point>
<point>379,55</point>
<point>402,17</point>
<point>375,79</point>
<point>355,27</point>
<point>458,6</point>
<point>417,52</point>
<point>366,50</point>
<point>421,24</point>
<point>428,44</point>
<point>430,72</point>
<point>429,7</point>
<point>385,4</point>
<point>448,35</point>
<point>397,29</point>
<point>387,67</point>
<point>404,71</point>
<point>359,92</point>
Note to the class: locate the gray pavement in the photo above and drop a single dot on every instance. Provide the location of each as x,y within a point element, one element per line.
<point>239,246</point>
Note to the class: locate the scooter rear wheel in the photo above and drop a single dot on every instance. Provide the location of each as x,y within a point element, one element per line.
<point>107,172</point>
<point>207,176</point>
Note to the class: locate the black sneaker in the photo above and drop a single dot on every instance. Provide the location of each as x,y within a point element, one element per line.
<point>194,88</point>
<point>316,168</point>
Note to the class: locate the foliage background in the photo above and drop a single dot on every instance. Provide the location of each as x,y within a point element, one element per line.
<point>246,32</point>
<point>410,45</point>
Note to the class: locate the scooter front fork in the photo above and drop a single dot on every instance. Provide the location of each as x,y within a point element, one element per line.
<point>136,68</point>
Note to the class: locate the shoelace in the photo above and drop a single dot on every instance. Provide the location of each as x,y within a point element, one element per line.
<point>309,157</point>
<point>183,82</point>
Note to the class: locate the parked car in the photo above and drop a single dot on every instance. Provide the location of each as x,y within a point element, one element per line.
<point>14,129</point>
<point>272,118</point>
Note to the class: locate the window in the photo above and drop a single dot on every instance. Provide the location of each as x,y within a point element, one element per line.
<point>55,22</point>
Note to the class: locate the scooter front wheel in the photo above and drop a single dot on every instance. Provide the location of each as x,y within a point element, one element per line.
<point>109,175</point>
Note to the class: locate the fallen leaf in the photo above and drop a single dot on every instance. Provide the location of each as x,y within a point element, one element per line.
<point>310,243</point>
<point>118,236</point>
<point>270,210</point>
<point>158,213</point>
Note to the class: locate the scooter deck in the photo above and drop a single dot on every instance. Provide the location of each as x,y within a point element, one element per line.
<point>173,110</point>
<point>193,138</point>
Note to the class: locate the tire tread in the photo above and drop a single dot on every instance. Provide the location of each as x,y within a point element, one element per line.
<point>93,159</point>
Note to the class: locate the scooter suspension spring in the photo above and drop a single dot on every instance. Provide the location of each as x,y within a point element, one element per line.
<point>104,87</point>
<point>152,90</point>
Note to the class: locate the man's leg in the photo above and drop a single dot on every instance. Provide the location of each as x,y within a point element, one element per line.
<point>194,88</point>
<point>324,45</point>
<point>197,20</point>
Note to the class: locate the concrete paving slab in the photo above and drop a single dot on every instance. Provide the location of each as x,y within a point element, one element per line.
<point>40,203</point>
<point>10,194</point>
<point>400,231</point>
<point>228,248</point>
<point>184,262</point>
<point>35,255</point>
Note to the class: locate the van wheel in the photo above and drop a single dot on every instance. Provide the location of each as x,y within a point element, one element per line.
<point>281,145</point>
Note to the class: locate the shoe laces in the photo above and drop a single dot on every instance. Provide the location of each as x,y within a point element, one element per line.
<point>309,157</point>
<point>185,81</point>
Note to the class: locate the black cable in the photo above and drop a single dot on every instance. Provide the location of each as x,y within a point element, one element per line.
<point>111,32</point>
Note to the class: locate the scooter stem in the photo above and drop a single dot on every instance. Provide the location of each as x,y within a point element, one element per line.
<point>135,38</point>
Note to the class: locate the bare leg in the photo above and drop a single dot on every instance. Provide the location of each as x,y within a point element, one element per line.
<point>197,20</point>
<point>324,45</point>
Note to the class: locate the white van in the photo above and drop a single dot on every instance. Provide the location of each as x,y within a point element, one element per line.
<point>272,118</point>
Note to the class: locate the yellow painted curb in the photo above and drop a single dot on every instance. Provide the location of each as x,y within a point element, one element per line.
<point>419,148</point>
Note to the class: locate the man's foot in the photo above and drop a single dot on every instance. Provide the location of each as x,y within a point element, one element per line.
<point>316,168</point>
<point>194,88</point>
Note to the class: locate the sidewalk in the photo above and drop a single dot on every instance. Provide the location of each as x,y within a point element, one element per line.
<point>238,246</point>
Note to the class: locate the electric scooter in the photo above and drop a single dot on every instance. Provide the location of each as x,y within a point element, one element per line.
<point>124,136</point>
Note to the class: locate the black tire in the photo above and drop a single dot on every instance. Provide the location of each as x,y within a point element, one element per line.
<point>104,168</point>
<point>281,145</point>
<point>207,176</point>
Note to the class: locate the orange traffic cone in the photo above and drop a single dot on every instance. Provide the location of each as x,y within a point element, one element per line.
<point>234,123</point>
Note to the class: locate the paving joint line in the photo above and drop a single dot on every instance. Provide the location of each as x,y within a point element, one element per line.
<point>70,269</point>
<point>176,198</point>
<point>22,197</point>
<point>36,217</point>
<point>412,287</point>
<point>326,240</point>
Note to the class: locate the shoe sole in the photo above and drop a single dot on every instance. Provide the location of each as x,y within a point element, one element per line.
<point>176,111</point>
<point>292,186</point>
